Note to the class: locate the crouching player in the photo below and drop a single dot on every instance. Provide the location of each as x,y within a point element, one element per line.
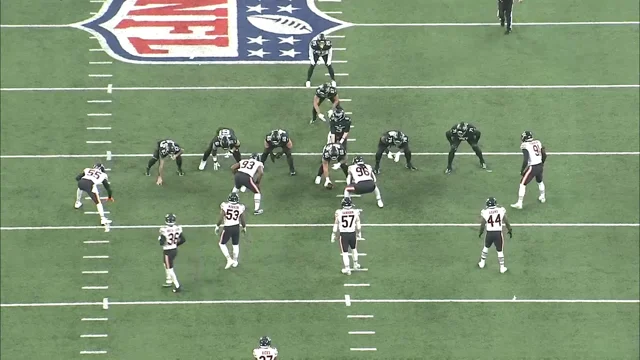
<point>247,175</point>
<point>361,180</point>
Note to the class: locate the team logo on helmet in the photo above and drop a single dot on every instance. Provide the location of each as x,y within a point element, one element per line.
<point>209,31</point>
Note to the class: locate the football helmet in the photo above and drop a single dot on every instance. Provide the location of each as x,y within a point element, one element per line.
<point>338,114</point>
<point>461,129</point>
<point>275,137</point>
<point>233,198</point>
<point>170,219</point>
<point>491,202</point>
<point>347,203</point>
<point>265,341</point>
<point>332,152</point>
<point>526,136</point>
<point>255,156</point>
<point>358,160</point>
<point>99,167</point>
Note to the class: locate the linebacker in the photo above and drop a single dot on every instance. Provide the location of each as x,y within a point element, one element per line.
<point>265,351</point>
<point>493,216</point>
<point>347,226</point>
<point>532,167</point>
<point>331,152</point>
<point>361,180</point>
<point>170,238</point>
<point>400,141</point>
<point>226,140</point>
<point>278,138</point>
<point>459,133</point>
<point>231,218</point>
<point>247,175</point>
<point>320,48</point>
<point>324,92</point>
<point>165,148</point>
<point>88,181</point>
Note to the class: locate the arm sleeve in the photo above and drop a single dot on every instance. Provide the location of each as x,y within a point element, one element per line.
<point>182,239</point>
<point>544,155</point>
<point>107,187</point>
<point>162,239</point>
<point>525,159</point>
<point>79,176</point>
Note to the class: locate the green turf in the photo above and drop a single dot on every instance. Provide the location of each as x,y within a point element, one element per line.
<point>426,262</point>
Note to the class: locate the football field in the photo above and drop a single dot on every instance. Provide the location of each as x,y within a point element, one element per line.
<point>568,72</point>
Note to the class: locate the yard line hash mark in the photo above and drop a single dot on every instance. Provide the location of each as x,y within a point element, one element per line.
<point>99,101</point>
<point>98,142</point>
<point>568,153</point>
<point>96,241</point>
<point>99,114</point>
<point>362,332</point>
<point>357,285</point>
<point>94,319</point>
<point>110,87</point>
<point>95,257</point>
<point>328,301</point>
<point>100,75</point>
<point>100,62</point>
<point>95,212</point>
<point>123,227</point>
<point>95,288</point>
<point>94,335</point>
<point>96,272</point>
<point>93,352</point>
<point>99,128</point>
<point>359,316</point>
<point>347,300</point>
<point>363,349</point>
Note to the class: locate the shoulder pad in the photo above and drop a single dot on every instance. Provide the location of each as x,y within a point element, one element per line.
<point>523,146</point>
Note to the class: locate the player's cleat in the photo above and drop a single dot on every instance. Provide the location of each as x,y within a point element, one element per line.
<point>333,83</point>
<point>483,165</point>
<point>307,84</point>
<point>292,173</point>
<point>346,271</point>
<point>243,188</point>
<point>180,173</point>
<point>105,221</point>
<point>202,165</point>
<point>507,33</point>
<point>312,121</point>
<point>147,172</point>
<point>411,167</point>
<point>177,290</point>
<point>447,171</point>
<point>258,212</point>
<point>167,285</point>
<point>78,204</point>
<point>481,264</point>
<point>356,266</point>
<point>235,264</point>
<point>229,264</point>
<point>376,171</point>
<point>517,206</point>
<point>335,166</point>
<point>380,204</point>
<point>390,156</point>
<point>503,269</point>
<point>318,180</point>
<point>542,199</point>
<point>501,22</point>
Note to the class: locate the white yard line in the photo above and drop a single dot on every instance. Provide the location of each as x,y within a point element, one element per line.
<point>96,272</point>
<point>561,153</point>
<point>100,62</point>
<point>340,61</point>
<point>99,101</point>
<point>99,128</point>
<point>96,241</point>
<point>98,141</point>
<point>100,75</point>
<point>93,352</point>
<point>362,332</point>
<point>94,212</point>
<point>359,316</point>
<point>96,50</point>
<point>352,195</point>
<point>94,335</point>
<point>94,319</point>
<point>333,12</point>
<point>335,36</point>
<point>357,285</point>
<point>326,301</point>
<point>95,288</point>
<point>363,349</point>
<point>96,256</point>
<point>123,227</point>
<point>110,87</point>
<point>99,114</point>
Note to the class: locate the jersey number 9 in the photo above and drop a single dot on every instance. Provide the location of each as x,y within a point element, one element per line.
<point>536,150</point>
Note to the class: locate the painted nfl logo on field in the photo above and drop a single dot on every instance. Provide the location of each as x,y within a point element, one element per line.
<point>210,31</point>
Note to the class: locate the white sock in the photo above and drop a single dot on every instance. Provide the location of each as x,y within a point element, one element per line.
<point>100,210</point>
<point>485,252</point>
<point>174,278</point>
<point>235,190</point>
<point>78,195</point>
<point>377,192</point>
<point>541,188</point>
<point>521,191</point>
<point>236,251</point>
<point>355,255</point>
<point>501,258</point>
<point>168,276</point>
<point>345,259</point>
<point>225,251</point>
<point>256,201</point>
<point>346,193</point>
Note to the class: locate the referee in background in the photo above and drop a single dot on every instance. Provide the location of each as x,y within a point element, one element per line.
<point>505,12</point>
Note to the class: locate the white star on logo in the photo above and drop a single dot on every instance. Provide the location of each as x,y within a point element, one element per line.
<point>258,8</point>
<point>291,53</point>
<point>287,40</point>
<point>289,8</point>
<point>261,53</point>
<point>258,40</point>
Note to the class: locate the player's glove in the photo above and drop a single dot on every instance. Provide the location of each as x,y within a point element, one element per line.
<point>217,230</point>
<point>279,155</point>
<point>244,229</point>
<point>216,165</point>
<point>327,182</point>
<point>330,113</point>
<point>480,235</point>
<point>321,116</point>
<point>333,237</point>
<point>172,156</point>
<point>510,234</point>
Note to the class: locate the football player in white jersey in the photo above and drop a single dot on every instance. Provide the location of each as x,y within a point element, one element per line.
<point>361,180</point>
<point>265,351</point>
<point>231,218</point>
<point>493,216</point>
<point>532,166</point>
<point>347,226</point>
<point>88,181</point>
<point>170,238</point>
<point>247,175</point>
